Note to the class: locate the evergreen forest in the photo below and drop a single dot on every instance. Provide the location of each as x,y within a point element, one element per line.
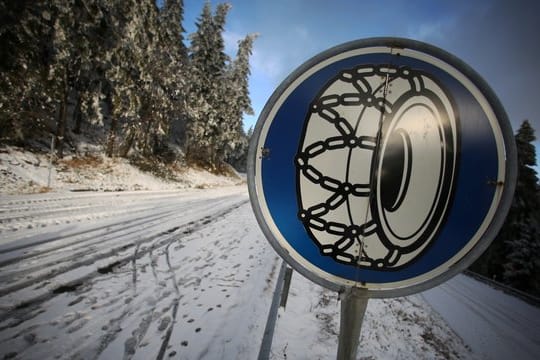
<point>513,258</point>
<point>117,73</point>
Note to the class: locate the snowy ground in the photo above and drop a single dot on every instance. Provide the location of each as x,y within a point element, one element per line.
<point>171,274</point>
<point>25,172</point>
<point>179,274</point>
<point>400,328</point>
<point>460,319</point>
<point>493,323</point>
<point>187,274</point>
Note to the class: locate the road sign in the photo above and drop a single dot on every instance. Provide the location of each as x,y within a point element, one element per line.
<point>385,164</point>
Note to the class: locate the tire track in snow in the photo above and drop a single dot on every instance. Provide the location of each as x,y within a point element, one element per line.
<point>116,231</point>
<point>128,218</point>
<point>176,302</point>
<point>47,211</point>
<point>104,262</point>
<point>17,253</point>
<point>200,293</point>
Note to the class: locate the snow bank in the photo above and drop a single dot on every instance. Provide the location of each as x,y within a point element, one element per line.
<point>493,323</point>
<point>399,328</point>
<point>25,172</point>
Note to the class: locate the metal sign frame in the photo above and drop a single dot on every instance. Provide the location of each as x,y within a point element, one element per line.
<point>503,183</point>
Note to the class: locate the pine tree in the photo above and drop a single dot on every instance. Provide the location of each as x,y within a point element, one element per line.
<point>173,65</point>
<point>120,72</point>
<point>74,47</point>
<point>237,141</point>
<point>199,86</point>
<point>172,31</point>
<point>521,237</point>
<point>120,100</point>
<point>207,88</point>
<point>26,54</point>
<point>138,96</point>
<point>95,102</point>
<point>56,67</point>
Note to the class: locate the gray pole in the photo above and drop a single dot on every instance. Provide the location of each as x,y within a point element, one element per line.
<point>50,162</point>
<point>266,344</point>
<point>353,307</point>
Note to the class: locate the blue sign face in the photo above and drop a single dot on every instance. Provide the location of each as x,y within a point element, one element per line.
<point>381,164</point>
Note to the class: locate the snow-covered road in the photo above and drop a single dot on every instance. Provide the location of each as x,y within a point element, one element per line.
<point>493,323</point>
<point>188,275</point>
<point>143,275</point>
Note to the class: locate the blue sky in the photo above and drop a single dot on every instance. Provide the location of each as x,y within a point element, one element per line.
<point>497,38</point>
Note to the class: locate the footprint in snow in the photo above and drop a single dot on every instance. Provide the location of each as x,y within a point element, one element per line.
<point>164,323</point>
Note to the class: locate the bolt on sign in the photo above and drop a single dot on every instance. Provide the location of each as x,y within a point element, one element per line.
<point>384,164</point>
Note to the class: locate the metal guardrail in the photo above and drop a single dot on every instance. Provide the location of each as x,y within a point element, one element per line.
<point>532,300</point>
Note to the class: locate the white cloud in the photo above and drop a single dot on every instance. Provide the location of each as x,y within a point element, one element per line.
<point>231,40</point>
<point>429,31</point>
<point>275,57</point>
<point>268,63</point>
<point>301,32</point>
<point>263,61</point>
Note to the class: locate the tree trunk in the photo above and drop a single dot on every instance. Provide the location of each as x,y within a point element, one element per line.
<point>61,122</point>
<point>127,146</point>
<point>111,138</point>
<point>146,147</point>
<point>77,116</point>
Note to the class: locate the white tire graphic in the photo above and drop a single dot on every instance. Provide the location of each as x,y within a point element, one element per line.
<point>381,147</point>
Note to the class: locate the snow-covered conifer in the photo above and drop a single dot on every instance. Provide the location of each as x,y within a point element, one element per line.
<point>236,142</point>
<point>26,54</point>
<point>207,88</point>
<point>173,66</point>
<point>520,233</point>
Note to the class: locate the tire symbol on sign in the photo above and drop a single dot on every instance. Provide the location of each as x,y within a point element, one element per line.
<point>369,201</point>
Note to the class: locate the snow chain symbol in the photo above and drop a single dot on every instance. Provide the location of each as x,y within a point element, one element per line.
<point>392,181</point>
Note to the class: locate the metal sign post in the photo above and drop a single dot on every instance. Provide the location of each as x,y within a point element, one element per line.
<point>353,308</point>
<point>51,157</point>
<point>381,168</point>
<point>268,335</point>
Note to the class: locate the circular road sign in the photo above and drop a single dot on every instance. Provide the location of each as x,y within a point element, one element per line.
<point>385,164</point>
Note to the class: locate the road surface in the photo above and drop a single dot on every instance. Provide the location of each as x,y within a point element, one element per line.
<point>493,323</point>
<point>150,275</point>
<point>188,275</point>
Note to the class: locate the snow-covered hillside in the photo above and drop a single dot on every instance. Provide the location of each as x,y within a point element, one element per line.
<point>25,172</point>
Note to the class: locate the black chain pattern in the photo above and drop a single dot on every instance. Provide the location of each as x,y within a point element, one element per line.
<point>325,106</point>
<point>368,88</point>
